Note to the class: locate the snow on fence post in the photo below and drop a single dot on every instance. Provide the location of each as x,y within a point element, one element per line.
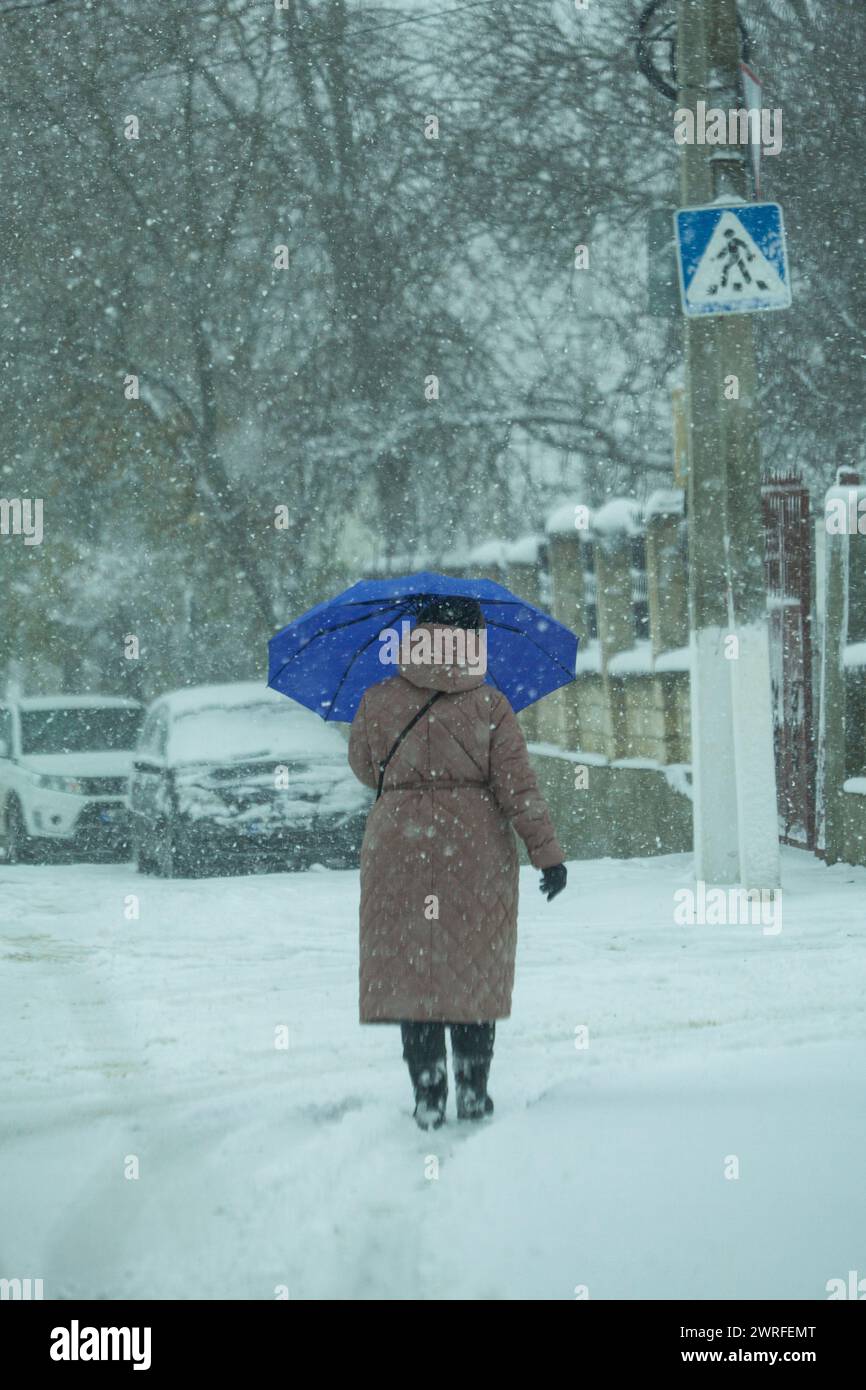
<point>668,604</point>
<point>453,563</point>
<point>487,561</point>
<point>566,529</point>
<point>667,592</point>
<point>613,529</point>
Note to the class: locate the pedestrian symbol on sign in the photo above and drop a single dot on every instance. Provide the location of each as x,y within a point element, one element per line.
<point>735,252</point>
<point>732,259</point>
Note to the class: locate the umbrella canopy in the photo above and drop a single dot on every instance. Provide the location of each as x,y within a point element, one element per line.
<point>327,658</point>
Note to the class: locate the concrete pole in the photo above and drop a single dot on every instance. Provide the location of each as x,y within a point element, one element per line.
<point>735,818</point>
<point>716,840</point>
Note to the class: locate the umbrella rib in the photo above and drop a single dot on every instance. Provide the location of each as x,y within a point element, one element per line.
<point>549,655</point>
<point>355,656</point>
<point>323,632</point>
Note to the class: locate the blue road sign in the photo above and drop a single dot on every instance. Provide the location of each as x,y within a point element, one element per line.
<point>732,259</point>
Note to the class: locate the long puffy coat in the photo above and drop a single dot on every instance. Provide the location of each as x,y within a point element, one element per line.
<point>439,867</point>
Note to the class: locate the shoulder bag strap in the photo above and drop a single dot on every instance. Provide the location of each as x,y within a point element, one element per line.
<point>409,727</point>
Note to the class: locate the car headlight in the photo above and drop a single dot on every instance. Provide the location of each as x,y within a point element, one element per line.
<point>61,784</point>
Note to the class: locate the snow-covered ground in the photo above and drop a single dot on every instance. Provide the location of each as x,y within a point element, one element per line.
<point>262,1167</point>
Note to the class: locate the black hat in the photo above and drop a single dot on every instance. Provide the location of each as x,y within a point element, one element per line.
<point>451,612</point>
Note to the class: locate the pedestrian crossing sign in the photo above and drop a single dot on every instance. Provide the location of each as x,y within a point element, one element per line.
<point>732,259</point>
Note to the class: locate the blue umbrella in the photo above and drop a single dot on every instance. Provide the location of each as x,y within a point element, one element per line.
<point>327,658</point>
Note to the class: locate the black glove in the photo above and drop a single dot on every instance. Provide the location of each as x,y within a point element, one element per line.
<point>553,880</point>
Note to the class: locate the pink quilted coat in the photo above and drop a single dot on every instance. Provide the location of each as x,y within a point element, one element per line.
<point>439,864</point>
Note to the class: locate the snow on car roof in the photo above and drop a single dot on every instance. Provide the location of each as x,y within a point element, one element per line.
<point>227,696</point>
<point>244,719</point>
<point>76,702</point>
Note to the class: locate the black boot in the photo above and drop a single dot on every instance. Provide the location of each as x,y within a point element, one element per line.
<point>431,1094</point>
<point>472,1048</point>
<point>424,1052</point>
<point>473,1102</point>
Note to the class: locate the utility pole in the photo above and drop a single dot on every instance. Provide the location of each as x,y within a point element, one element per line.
<point>733,765</point>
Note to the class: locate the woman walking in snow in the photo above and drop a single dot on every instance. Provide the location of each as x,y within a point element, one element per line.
<point>439,867</point>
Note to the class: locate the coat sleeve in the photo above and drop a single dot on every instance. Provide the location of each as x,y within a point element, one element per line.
<point>515,788</point>
<point>360,756</point>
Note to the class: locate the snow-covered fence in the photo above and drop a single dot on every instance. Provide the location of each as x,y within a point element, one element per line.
<point>627,563</point>
<point>614,746</point>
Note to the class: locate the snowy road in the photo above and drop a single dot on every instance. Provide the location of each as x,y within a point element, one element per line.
<point>261,1166</point>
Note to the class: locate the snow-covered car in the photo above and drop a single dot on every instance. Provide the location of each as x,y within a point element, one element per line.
<point>64,774</point>
<point>233,776</point>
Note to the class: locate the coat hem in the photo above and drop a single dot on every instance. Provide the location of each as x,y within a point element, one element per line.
<point>437,1018</point>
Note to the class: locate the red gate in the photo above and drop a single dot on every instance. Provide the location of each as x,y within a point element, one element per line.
<point>788,558</point>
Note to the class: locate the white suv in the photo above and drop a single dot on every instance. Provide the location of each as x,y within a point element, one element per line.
<point>64,774</point>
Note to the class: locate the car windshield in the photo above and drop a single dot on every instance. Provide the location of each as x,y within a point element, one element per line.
<point>251,731</point>
<point>88,729</point>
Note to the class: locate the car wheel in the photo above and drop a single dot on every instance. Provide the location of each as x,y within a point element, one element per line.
<point>20,848</point>
<point>170,861</point>
<point>143,861</point>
